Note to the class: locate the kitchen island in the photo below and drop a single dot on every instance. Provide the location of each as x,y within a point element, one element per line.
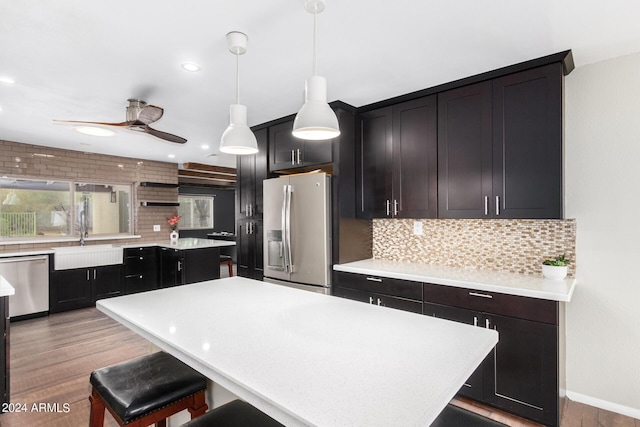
<point>6,290</point>
<point>309,359</point>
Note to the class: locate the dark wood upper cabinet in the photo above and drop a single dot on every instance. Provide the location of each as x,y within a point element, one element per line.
<point>375,176</point>
<point>288,152</point>
<point>500,147</point>
<point>464,151</point>
<point>398,161</point>
<point>251,171</point>
<point>527,144</point>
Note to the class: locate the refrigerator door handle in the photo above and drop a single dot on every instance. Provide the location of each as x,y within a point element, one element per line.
<point>289,190</point>
<point>283,225</point>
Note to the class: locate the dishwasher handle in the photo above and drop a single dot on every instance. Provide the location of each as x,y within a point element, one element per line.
<point>23,259</point>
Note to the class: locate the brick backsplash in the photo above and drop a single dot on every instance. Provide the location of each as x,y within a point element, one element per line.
<point>516,246</point>
<point>20,160</point>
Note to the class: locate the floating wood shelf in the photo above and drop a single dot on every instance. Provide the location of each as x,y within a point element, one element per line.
<point>158,184</point>
<point>149,204</point>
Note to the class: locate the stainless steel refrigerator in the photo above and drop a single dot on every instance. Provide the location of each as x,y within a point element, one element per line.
<point>297,231</point>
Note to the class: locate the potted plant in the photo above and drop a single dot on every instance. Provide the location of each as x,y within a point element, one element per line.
<point>555,269</point>
<point>173,223</point>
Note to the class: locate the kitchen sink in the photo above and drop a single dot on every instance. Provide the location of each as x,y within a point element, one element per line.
<point>68,257</point>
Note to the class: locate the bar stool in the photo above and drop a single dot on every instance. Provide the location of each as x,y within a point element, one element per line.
<point>236,413</point>
<point>226,259</point>
<point>146,390</point>
<point>452,416</point>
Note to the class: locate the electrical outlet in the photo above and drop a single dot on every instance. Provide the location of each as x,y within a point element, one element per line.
<point>417,228</point>
<point>156,228</point>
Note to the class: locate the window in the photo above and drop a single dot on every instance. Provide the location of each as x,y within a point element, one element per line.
<point>196,212</point>
<point>37,208</point>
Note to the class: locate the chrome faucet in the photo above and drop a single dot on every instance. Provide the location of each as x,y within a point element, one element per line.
<point>83,227</point>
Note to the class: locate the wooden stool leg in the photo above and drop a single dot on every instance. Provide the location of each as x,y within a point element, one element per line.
<point>198,406</point>
<point>230,268</point>
<point>96,418</point>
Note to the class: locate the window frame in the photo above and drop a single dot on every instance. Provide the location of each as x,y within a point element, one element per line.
<point>211,198</point>
<point>73,233</point>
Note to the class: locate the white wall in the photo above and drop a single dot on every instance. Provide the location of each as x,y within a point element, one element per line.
<point>602,191</point>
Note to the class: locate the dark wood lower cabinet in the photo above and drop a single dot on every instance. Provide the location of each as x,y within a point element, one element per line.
<point>379,299</point>
<point>249,243</point>
<point>82,287</point>
<point>141,269</point>
<point>520,376</point>
<point>201,264</point>
<point>394,293</point>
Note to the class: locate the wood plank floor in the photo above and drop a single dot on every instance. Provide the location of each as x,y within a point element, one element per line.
<point>52,357</point>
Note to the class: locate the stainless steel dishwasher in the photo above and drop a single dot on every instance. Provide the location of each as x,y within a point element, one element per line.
<point>29,276</point>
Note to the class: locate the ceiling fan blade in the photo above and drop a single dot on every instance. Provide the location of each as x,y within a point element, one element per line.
<point>164,135</point>
<point>93,123</point>
<point>150,114</point>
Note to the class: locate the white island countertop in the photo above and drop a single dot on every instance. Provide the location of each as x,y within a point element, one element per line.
<point>481,280</point>
<point>5,288</point>
<point>186,243</point>
<point>308,359</point>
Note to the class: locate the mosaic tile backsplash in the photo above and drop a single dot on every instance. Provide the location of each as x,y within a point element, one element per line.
<point>515,246</point>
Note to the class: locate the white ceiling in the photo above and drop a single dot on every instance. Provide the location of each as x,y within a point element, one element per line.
<point>82,59</point>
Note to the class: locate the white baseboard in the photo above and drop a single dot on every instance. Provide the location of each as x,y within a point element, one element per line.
<point>603,404</point>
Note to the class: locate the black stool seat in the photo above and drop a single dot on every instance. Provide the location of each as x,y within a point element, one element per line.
<point>225,258</point>
<point>137,387</point>
<point>236,413</point>
<point>453,416</point>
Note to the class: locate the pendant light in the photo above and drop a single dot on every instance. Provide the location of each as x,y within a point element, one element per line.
<point>238,138</point>
<point>315,120</point>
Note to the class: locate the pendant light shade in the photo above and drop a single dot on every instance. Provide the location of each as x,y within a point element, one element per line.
<point>315,120</point>
<point>238,138</point>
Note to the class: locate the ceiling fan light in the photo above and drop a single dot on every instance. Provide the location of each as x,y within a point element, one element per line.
<point>238,138</point>
<point>316,120</point>
<point>94,131</point>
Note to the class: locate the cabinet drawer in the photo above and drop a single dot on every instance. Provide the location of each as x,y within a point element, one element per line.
<point>380,285</point>
<point>379,299</point>
<point>535,309</point>
<point>139,264</point>
<point>148,251</point>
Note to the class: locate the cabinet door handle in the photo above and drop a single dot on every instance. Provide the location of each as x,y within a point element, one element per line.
<point>293,157</point>
<point>486,323</point>
<point>87,275</point>
<point>395,207</point>
<point>388,203</point>
<point>179,265</point>
<point>374,279</point>
<point>497,205</point>
<point>299,156</point>
<point>477,294</point>
<point>94,273</point>
<point>486,205</point>
<point>370,300</point>
<point>379,301</point>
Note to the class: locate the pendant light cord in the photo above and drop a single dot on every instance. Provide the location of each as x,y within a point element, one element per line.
<point>315,65</point>
<point>237,78</point>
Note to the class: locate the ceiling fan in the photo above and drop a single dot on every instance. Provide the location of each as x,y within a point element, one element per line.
<point>139,116</point>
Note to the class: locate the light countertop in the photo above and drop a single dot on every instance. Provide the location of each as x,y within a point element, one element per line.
<point>309,359</point>
<point>482,280</point>
<point>5,288</point>
<point>185,243</point>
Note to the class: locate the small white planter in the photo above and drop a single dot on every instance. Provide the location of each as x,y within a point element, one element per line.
<point>554,272</point>
<point>173,236</point>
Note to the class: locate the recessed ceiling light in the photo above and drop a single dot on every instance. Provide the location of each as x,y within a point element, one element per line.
<point>204,146</point>
<point>7,80</point>
<point>94,131</point>
<point>171,156</point>
<point>190,66</point>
